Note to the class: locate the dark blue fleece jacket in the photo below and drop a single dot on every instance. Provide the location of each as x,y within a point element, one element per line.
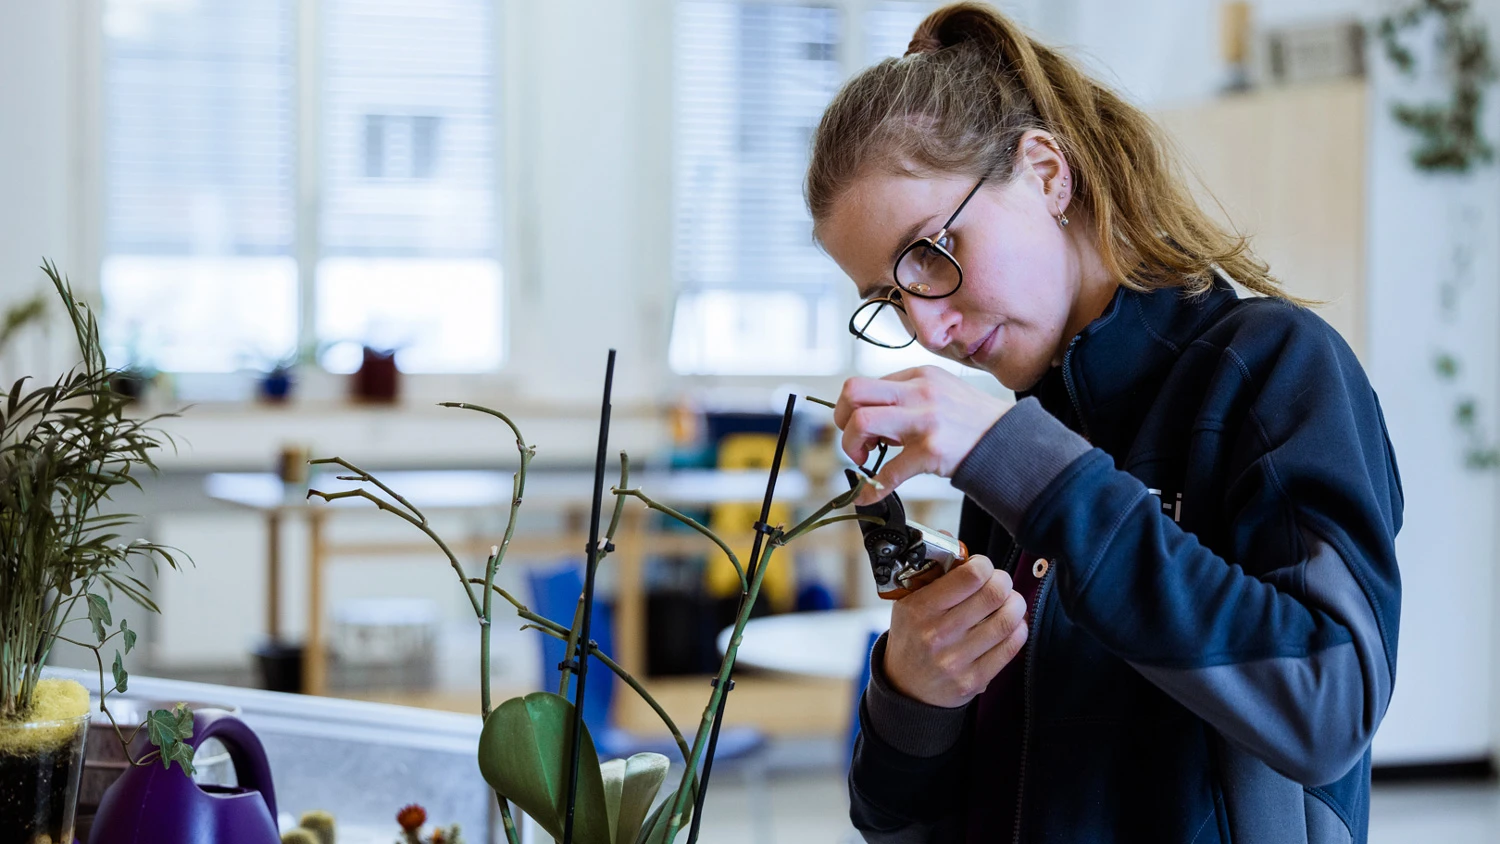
<point>1214,643</point>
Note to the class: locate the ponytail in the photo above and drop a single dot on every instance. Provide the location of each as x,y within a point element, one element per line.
<point>971,84</point>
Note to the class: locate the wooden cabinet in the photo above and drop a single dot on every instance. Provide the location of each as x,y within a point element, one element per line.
<point>1287,166</point>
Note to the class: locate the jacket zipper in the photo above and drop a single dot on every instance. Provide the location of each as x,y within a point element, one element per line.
<point>1036,610</point>
<point>1012,558</point>
<point>1026,683</point>
<point>1073,391</point>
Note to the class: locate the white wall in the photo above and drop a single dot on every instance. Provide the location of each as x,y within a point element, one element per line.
<point>38,160</point>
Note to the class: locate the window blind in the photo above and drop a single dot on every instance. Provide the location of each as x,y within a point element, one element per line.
<point>756,295</point>
<point>198,215</point>
<point>408,227</point>
<point>751,82</point>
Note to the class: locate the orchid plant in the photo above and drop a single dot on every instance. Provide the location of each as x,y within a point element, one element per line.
<point>527,742</point>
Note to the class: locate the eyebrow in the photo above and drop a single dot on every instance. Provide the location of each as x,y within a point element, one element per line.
<point>910,235</point>
<point>905,240</point>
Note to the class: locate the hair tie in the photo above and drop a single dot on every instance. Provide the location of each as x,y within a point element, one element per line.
<point>923,44</point>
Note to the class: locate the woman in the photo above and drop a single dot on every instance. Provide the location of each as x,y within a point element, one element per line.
<point>1180,622</point>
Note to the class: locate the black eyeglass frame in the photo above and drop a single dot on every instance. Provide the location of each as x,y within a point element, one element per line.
<point>930,242</point>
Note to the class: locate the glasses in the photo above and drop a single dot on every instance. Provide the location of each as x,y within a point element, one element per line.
<point>925,269</point>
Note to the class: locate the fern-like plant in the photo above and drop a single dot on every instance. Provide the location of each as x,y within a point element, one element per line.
<point>65,449</point>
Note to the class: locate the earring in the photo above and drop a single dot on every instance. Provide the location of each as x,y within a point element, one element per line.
<point>1062,220</point>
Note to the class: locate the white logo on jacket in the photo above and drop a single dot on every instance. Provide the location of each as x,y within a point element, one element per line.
<point>1172,508</point>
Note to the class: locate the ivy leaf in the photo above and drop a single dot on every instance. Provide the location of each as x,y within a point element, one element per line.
<point>121,678</point>
<point>128,635</point>
<point>99,616</point>
<point>166,729</point>
<point>1464,412</point>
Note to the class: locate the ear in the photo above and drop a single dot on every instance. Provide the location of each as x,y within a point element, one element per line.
<point>1042,157</point>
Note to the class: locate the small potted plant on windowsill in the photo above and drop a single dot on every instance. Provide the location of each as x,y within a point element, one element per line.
<point>65,448</point>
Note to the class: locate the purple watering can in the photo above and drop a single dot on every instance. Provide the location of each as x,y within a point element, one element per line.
<point>156,805</point>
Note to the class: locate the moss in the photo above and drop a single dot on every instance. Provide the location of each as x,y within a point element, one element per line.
<point>298,836</point>
<point>54,710</point>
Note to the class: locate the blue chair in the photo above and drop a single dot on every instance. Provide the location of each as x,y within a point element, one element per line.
<point>555,592</point>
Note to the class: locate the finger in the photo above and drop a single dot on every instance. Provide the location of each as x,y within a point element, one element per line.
<point>864,392</point>
<point>898,470</point>
<point>1001,655</point>
<point>951,589</point>
<point>987,600</point>
<point>993,630</point>
<point>868,426</point>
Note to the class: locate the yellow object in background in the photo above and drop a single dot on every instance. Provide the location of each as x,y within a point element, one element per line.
<point>735,521</point>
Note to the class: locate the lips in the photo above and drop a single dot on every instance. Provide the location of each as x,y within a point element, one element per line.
<point>981,345</point>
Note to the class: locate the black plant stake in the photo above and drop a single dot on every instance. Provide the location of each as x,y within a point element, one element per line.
<point>761,531</point>
<point>584,644</point>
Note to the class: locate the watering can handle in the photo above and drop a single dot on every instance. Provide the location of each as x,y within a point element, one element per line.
<point>245,750</point>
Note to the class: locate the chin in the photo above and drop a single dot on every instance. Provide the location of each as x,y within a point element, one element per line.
<point>1017,379</point>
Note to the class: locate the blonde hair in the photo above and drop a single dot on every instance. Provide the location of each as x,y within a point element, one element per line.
<point>972,83</point>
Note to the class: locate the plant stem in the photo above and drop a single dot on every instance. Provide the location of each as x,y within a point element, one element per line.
<point>492,566</point>
<point>570,652</point>
<point>692,523</point>
<point>512,835</point>
<point>726,667</point>
<point>625,676</point>
<point>418,521</point>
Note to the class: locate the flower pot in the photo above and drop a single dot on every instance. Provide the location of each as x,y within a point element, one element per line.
<point>40,763</point>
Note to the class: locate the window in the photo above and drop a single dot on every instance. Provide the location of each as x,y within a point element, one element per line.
<point>199,227</point>
<point>211,261</point>
<point>756,295</point>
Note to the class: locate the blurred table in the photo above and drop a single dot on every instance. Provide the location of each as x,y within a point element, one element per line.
<point>568,492</point>
<point>830,643</point>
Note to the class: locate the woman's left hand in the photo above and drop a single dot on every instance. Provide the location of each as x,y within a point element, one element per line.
<point>933,415</point>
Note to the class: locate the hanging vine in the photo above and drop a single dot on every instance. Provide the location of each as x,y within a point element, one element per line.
<point>1451,140</point>
<point>1449,135</point>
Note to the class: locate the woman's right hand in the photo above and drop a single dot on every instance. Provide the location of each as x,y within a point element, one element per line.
<point>950,638</point>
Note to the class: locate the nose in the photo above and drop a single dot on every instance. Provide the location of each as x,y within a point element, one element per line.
<point>932,320</point>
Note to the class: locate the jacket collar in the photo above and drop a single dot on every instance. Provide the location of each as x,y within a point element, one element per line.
<point>1115,367</point>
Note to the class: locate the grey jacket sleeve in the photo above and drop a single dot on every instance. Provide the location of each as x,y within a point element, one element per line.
<point>908,759</point>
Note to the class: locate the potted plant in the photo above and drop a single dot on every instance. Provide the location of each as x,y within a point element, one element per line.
<point>65,448</point>
<point>527,752</point>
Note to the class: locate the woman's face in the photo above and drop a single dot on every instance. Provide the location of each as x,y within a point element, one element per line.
<point>1021,269</point>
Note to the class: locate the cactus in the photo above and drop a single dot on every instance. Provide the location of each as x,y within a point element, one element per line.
<point>319,823</point>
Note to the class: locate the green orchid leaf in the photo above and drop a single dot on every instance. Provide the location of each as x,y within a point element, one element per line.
<point>120,676</point>
<point>99,615</point>
<point>524,753</point>
<point>639,779</point>
<point>613,773</point>
<point>128,635</point>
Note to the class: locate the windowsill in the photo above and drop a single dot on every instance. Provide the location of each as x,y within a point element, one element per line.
<point>227,436</point>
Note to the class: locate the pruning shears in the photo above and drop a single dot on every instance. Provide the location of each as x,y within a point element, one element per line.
<point>904,555</point>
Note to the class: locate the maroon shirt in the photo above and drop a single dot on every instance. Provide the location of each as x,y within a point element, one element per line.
<point>995,766</point>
